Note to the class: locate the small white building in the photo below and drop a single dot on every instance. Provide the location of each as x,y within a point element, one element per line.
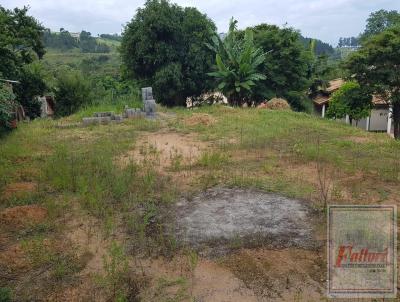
<point>380,119</point>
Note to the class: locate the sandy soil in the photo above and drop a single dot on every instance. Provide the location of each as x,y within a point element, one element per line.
<point>164,149</point>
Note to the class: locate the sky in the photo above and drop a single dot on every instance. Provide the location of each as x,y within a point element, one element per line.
<point>327,20</point>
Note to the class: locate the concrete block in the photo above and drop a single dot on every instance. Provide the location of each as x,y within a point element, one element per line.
<point>147,93</point>
<point>103,114</point>
<point>104,120</point>
<point>87,121</point>
<point>150,108</point>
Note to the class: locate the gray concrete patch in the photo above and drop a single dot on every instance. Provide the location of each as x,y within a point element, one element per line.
<point>221,215</point>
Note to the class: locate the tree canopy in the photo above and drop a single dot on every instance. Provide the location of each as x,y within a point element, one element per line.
<point>20,40</point>
<point>379,21</point>
<point>376,66</point>
<point>286,63</point>
<point>164,46</point>
<point>350,100</point>
<point>21,44</point>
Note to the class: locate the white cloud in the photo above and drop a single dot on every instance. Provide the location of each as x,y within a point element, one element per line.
<point>326,20</point>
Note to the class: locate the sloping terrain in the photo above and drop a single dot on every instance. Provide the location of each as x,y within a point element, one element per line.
<point>116,212</point>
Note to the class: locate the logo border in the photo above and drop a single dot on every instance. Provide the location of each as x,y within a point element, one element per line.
<point>366,293</point>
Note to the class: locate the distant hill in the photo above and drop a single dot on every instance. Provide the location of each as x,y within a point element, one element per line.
<point>65,40</point>
<point>320,46</point>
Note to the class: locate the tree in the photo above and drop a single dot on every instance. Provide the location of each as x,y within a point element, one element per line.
<point>72,92</point>
<point>286,64</point>
<point>7,106</point>
<point>350,100</point>
<point>164,47</point>
<point>379,21</point>
<point>238,62</point>
<point>376,66</point>
<point>20,41</point>
<point>21,44</point>
<point>32,84</point>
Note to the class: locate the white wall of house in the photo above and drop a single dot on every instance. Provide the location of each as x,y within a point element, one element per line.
<point>362,124</point>
<point>379,119</point>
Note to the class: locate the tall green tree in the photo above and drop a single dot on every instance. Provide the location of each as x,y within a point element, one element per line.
<point>286,64</point>
<point>21,44</point>
<point>238,63</point>
<point>351,100</point>
<point>164,46</point>
<point>380,21</point>
<point>20,41</point>
<point>376,66</point>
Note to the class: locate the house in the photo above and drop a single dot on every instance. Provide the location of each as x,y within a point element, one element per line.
<point>380,117</point>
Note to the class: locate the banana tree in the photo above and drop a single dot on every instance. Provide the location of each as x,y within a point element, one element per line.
<point>237,62</point>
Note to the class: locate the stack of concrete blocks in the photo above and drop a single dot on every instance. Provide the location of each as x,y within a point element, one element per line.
<point>129,113</point>
<point>133,113</point>
<point>102,118</point>
<point>149,102</point>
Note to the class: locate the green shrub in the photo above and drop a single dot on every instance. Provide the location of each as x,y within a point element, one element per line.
<point>71,93</point>
<point>32,84</point>
<point>7,105</point>
<point>5,294</point>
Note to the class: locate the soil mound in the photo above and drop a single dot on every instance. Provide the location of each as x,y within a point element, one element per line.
<point>200,119</point>
<point>275,104</point>
<point>23,215</point>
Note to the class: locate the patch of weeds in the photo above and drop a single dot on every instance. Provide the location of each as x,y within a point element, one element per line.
<point>208,180</point>
<point>38,250</point>
<point>24,199</point>
<point>383,194</point>
<point>37,230</point>
<point>336,192</point>
<point>175,290</point>
<point>5,294</point>
<point>116,280</point>
<point>42,254</point>
<point>176,161</point>
<point>193,260</point>
<point>109,225</point>
<point>65,266</point>
<point>150,233</point>
<point>244,181</point>
<point>236,243</point>
<point>254,274</point>
<point>214,160</point>
<point>270,166</point>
